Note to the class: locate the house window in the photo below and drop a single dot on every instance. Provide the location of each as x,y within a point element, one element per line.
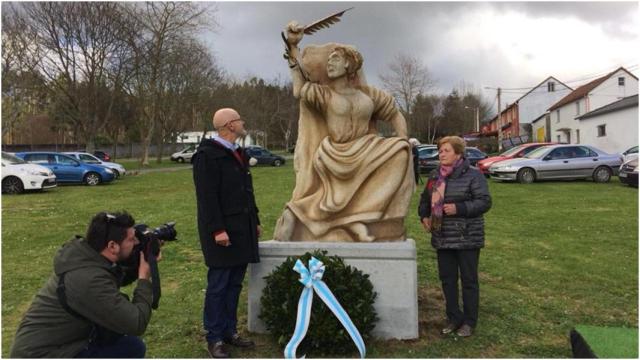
<point>577,107</point>
<point>557,116</point>
<point>602,130</point>
<point>558,139</point>
<point>551,86</point>
<point>621,81</point>
<point>577,136</point>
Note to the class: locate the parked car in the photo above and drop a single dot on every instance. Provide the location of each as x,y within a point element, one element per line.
<point>18,175</point>
<point>631,153</point>
<point>102,155</point>
<point>264,156</point>
<point>427,155</point>
<point>429,160</point>
<point>118,170</point>
<point>68,169</point>
<point>629,172</point>
<point>185,154</point>
<point>515,152</point>
<point>558,162</point>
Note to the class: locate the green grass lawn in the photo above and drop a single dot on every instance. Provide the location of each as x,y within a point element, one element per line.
<point>557,254</point>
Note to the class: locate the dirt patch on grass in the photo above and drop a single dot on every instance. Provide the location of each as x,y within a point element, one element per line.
<point>431,313</point>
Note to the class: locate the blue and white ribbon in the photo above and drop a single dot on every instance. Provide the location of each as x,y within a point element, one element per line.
<point>312,280</point>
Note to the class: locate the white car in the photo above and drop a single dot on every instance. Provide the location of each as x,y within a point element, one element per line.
<point>184,155</point>
<point>19,175</point>
<point>630,154</point>
<point>118,170</point>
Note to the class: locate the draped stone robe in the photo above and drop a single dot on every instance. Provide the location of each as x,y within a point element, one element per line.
<point>345,173</point>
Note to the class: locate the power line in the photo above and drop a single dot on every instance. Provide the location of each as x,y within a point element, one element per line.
<point>589,77</point>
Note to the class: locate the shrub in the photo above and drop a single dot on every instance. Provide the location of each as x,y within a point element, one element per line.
<point>326,335</point>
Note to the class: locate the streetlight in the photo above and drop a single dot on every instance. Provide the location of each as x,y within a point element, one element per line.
<point>477,109</point>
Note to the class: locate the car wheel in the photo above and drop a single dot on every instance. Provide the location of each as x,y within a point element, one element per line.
<point>180,160</point>
<point>277,162</point>
<point>602,174</point>
<point>526,176</point>
<point>12,185</point>
<point>116,173</point>
<point>92,179</point>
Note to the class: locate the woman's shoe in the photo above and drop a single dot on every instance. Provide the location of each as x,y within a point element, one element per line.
<point>449,329</point>
<point>465,331</point>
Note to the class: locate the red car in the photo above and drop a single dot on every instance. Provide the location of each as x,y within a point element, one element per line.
<point>515,152</point>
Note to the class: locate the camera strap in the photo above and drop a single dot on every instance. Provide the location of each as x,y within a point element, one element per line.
<point>62,297</point>
<point>155,281</point>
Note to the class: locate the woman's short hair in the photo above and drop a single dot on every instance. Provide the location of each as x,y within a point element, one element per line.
<point>105,227</point>
<point>352,56</point>
<point>457,143</point>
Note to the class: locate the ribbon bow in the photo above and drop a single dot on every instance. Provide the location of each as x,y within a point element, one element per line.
<point>312,280</point>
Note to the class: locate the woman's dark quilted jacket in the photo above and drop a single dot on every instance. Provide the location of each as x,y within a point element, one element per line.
<point>467,188</point>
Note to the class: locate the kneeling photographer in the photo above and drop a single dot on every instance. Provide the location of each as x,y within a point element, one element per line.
<point>80,311</point>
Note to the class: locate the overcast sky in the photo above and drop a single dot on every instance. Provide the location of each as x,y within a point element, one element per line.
<point>486,44</point>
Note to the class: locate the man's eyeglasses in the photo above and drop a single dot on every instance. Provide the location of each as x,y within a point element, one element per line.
<point>239,119</point>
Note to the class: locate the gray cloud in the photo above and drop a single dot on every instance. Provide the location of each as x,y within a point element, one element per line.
<point>248,42</point>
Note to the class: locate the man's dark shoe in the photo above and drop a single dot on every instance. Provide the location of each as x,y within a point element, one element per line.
<point>237,340</point>
<point>465,331</point>
<point>451,327</point>
<point>217,350</point>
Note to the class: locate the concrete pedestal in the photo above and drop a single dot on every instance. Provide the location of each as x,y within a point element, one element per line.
<point>391,266</point>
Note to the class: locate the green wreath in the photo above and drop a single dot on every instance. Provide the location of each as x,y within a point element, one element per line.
<point>326,335</point>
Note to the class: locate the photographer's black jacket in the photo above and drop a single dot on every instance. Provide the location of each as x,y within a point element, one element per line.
<point>224,193</point>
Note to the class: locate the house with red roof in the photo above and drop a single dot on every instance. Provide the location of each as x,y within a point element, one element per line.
<point>564,123</point>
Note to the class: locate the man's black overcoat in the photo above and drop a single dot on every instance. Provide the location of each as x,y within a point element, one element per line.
<point>224,193</point>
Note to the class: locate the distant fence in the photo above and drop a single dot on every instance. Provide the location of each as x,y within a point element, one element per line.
<point>121,151</point>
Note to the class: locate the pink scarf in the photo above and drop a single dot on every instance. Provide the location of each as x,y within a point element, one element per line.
<point>437,194</point>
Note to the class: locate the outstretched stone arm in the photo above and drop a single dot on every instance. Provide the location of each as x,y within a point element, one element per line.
<point>295,33</point>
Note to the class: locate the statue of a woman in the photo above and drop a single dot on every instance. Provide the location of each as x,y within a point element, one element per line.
<point>351,184</point>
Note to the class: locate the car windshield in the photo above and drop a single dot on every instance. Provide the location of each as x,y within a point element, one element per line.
<point>427,153</point>
<point>537,153</point>
<point>14,160</point>
<point>512,151</point>
<point>89,159</point>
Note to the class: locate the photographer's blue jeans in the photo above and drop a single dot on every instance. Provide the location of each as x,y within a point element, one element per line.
<point>126,347</point>
<point>221,301</point>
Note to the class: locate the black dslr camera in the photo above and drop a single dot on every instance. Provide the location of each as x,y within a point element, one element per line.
<point>150,243</point>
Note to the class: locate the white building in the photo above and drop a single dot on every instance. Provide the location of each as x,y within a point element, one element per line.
<point>536,102</point>
<point>564,127</point>
<point>612,128</point>
<point>194,137</point>
<point>517,118</point>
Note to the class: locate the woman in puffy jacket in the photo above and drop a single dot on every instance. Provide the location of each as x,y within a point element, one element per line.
<point>451,208</point>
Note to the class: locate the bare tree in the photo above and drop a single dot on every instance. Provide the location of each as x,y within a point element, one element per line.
<point>76,43</point>
<point>191,73</point>
<point>406,78</point>
<point>155,28</point>
<point>23,89</point>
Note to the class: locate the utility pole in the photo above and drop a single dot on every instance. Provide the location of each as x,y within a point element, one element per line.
<point>499,124</point>
<point>478,119</point>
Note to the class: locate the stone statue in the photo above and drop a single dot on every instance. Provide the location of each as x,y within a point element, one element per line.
<point>351,184</point>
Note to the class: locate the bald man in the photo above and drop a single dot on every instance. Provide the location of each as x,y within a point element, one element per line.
<point>228,225</point>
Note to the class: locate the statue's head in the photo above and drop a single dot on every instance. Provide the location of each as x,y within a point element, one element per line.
<point>343,60</point>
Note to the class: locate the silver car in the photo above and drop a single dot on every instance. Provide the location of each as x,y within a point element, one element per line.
<point>118,170</point>
<point>558,162</point>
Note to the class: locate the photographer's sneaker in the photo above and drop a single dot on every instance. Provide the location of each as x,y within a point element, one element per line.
<point>237,340</point>
<point>217,350</point>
